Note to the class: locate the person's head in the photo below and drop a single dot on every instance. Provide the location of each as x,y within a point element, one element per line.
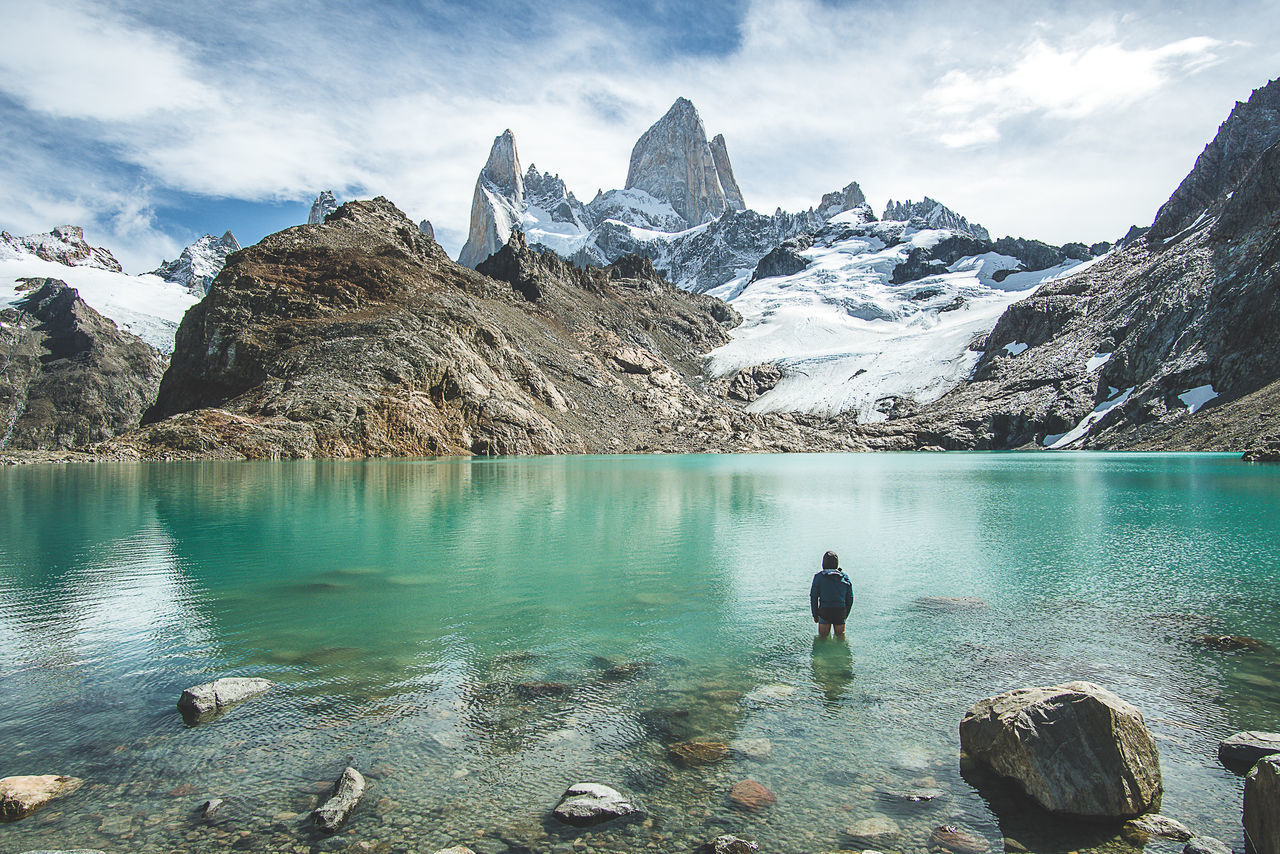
<point>830,560</point>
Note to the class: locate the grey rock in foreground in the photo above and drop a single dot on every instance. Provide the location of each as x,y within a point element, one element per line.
<point>585,804</point>
<point>457,849</point>
<point>1144,828</point>
<point>1075,748</point>
<point>22,795</point>
<point>878,831</point>
<point>204,701</point>
<point>1242,750</point>
<point>1262,806</point>
<point>348,791</point>
<point>1206,845</point>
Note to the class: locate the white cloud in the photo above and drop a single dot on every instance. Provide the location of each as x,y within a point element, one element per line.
<point>1068,138</point>
<point>67,60</point>
<point>1069,84</point>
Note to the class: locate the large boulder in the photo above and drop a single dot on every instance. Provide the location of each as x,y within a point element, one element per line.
<point>1075,748</point>
<point>1262,806</point>
<point>585,804</point>
<point>202,702</point>
<point>21,796</point>
<point>347,792</point>
<point>1241,751</point>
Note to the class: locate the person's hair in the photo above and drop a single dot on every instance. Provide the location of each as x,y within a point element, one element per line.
<point>830,560</point>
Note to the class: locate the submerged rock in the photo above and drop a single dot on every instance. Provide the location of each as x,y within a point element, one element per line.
<point>729,844</point>
<point>347,792</point>
<point>1073,748</point>
<point>1241,751</point>
<point>878,831</point>
<point>755,749</point>
<point>1232,643</point>
<point>457,849</point>
<point>1262,806</point>
<point>585,804</point>
<point>689,753</point>
<point>957,840</point>
<point>750,795</point>
<point>1154,826</point>
<point>1206,845</point>
<point>533,690</point>
<point>205,701</point>
<point>20,796</point>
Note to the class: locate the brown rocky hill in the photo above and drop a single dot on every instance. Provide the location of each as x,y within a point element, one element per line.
<point>69,376</point>
<point>360,337</point>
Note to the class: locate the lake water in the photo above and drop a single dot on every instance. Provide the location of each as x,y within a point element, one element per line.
<point>407,607</point>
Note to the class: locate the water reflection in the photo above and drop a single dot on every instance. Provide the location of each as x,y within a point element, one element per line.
<point>832,669</point>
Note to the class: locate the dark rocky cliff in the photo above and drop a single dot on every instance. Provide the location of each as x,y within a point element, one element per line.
<point>1195,308</point>
<point>69,377</point>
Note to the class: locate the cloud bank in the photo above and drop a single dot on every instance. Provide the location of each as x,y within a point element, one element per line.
<point>1066,122</point>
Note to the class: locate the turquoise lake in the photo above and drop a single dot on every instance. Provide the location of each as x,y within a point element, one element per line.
<point>477,635</point>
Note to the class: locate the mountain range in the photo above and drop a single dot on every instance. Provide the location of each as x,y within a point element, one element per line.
<point>830,328</point>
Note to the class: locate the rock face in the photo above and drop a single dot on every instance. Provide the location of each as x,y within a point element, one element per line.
<point>20,796</point>
<point>839,201</point>
<point>347,792</point>
<point>933,214</point>
<point>65,244</point>
<point>71,377</point>
<point>1160,344</point>
<point>1074,748</point>
<point>203,702</point>
<point>673,162</point>
<point>497,203</point>
<point>426,228</point>
<point>1262,806</point>
<point>324,205</point>
<point>586,804</point>
<point>199,264</point>
<point>359,337</point>
<point>1252,128</point>
<point>1244,749</point>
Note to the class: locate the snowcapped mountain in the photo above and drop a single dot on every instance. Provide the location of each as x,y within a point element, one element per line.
<point>199,264</point>
<point>826,312</point>
<point>146,305</point>
<point>856,315</point>
<point>65,244</point>
<point>325,204</point>
<point>933,214</point>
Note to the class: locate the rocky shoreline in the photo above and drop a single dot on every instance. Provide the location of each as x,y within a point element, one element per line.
<point>1072,750</point>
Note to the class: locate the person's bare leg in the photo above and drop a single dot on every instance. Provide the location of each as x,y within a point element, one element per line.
<point>823,629</point>
<point>840,631</point>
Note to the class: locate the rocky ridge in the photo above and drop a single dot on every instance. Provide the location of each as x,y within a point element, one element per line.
<point>359,337</point>
<point>1126,353</point>
<point>933,214</point>
<point>199,264</point>
<point>65,244</point>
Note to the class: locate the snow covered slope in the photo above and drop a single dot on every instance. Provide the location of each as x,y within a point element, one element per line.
<point>847,339</point>
<point>147,305</point>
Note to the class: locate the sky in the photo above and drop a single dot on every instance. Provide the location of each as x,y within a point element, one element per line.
<point>151,123</point>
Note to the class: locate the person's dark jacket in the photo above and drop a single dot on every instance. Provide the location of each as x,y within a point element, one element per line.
<point>831,588</point>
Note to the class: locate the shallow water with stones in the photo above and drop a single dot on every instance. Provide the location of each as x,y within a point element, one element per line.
<point>408,611</point>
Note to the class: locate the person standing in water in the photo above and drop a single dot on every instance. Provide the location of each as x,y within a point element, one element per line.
<point>831,596</point>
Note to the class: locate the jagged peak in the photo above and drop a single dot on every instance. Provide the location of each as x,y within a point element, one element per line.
<point>503,166</point>
<point>839,201</point>
<point>63,244</point>
<point>325,203</point>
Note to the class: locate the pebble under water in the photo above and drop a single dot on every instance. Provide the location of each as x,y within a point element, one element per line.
<point>477,635</point>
